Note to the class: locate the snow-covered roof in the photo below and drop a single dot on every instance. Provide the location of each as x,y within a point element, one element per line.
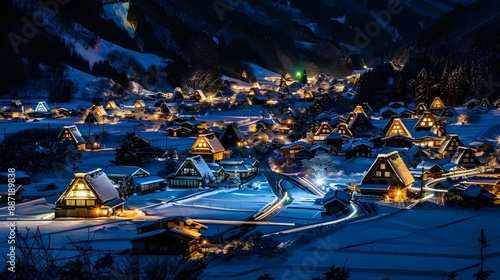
<point>102,185</point>
<point>236,129</point>
<point>400,168</point>
<point>200,165</point>
<point>460,153</point>
<point>213,142</point>
<point>397,165</point>
<point>114,202</point>
<point>185,232</point>
<point>321,145</point>
<point>337,195</point>
<point>296,143</point>
<point>77,136</point>
<point>148,234</point>
<point>42,107</point>
<point>333,136</point>
<point>447,141</point>
<point>214,167</point>
<point>188,221</point>
<point>232,161</point>
<point>483,180</point>
<point>475,191</point>
<point>148,180</point>
<point>398,111</point>
<point>124,170</point>
<point>357,142</point>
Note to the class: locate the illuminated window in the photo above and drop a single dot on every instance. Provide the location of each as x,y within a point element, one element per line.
<point>382,166</point>
<point>387,174</point>
<point>378,174</point>
<point>190,171</point>
<point>90,202</point>
<point>70,202</point>
<point>81,186</point>
<point>80,202</point>
<point>202,144</point>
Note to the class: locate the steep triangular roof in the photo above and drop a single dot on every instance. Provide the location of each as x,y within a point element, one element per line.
<point>396,164</point>
<point>110,104</point>
<point>73,132</point>
<point>359,109</point>
<point>99,184</point>
<point>212,142</point>
<point>343,129</point>
<point>139,104</point>
<point>200,165</point>
<point>464,152</point>
<point>337,195</point>
<point>42,107</point>
<point>360,120</point>
<point>421,107</point>
<point>254,92</point>
<point>395,126</point>
<point>233,127</point>
<point>448,139</point>
<point>200,93</point>
<point>426,122</point>
<point>324,128</point>
<point>437,104</point>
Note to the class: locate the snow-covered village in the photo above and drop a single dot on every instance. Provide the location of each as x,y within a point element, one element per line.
<point>250,140</point>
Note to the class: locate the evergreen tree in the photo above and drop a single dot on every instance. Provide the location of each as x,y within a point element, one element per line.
<point>422,86</point>
<point>303,78</point>
<point>127,187</point>
<point>456,86</point>
<point>400,90</point>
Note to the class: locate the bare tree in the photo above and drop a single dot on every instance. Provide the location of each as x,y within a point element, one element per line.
<point>482,274</point>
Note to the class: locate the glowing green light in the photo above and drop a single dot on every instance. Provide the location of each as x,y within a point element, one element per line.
<point>298,74</point>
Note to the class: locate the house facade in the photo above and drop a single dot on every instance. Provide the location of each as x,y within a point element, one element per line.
<point>387,171</point>
<point>450,145</point>
<point>208,147</point>
<point>232,136</point>
<point>193,173</point>
<point>240,167</point>
<point>293,149</point>
<point>71,134</point>
<point>336,201</point>
<point>89,195</point>
<point>322,132</point>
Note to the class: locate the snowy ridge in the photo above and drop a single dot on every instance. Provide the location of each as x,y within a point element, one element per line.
<point>117,12</point>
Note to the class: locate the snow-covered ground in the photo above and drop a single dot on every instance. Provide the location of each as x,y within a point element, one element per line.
<point>422,243</point>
